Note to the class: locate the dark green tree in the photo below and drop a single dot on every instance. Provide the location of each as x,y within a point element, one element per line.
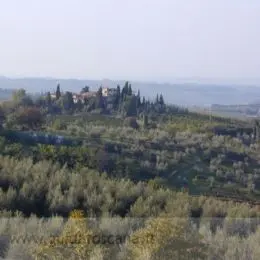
<point>58,92</point>
<point>130,92</point>
<point>79,105</point>
<point>20,98</point>
<point>27,101</point>
<point>157,99</point>
<point>129,107</point>
<point>99,99</point>
<point>145,120</point>
<point>99,93</point>
<point>85,89</point>
<point>125,91</point>
<point>18,95</point>
<point>2,117</point>
<point>138,100</point>
<point>66,102</point>
<point>131,122</point>
<point>30,117</point>
<point>118,98</point>
<point>143,102</point>
<point>257,130</point>
<point>161,100</point>
<point>69,99</point>
<point>48,99</point>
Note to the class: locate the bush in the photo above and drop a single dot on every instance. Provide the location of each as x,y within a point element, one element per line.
<point>59,125</point>
<point>131,122</point>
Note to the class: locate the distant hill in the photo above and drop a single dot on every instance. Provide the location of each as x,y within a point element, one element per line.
<point>187,94</point>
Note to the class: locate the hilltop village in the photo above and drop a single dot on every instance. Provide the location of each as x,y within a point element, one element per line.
<point>85,93</point>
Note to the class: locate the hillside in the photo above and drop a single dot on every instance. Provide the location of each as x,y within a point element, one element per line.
<point>151,180</point>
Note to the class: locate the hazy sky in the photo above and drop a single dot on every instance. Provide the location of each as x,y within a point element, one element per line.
<point>130,39</point>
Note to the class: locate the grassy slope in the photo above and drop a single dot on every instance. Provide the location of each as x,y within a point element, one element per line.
<point>107,127</point>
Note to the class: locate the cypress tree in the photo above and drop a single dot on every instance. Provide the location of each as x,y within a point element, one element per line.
<point>157,99</point>
<point>58,92</point>
<point>145,120</point>
<point>161,100</point>
<point>130,92</point>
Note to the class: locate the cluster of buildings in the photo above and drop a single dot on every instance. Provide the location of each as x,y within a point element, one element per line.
<point>106,92</point>
<point>83,96</point>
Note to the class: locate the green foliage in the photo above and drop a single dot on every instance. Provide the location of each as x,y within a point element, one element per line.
<point>66,102</point>
<point>75,242</point>
<point>85,89</point>
<point>2,116</point>
<point>58,92</point>
<point>110,167</point>
<point>26,117</point>
<point>131,122</point>
<point>48,99</point>
<point>129,108</point>
<point>145,121</point>
<point>18,95</point>
<point>166,233</point>
<point>58,124</point>
<point>178,149</point>
<point>20,98</point>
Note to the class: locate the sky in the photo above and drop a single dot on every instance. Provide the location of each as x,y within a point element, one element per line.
<point>131,39</point>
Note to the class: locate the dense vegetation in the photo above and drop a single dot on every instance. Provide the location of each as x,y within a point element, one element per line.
<point>137,169</point>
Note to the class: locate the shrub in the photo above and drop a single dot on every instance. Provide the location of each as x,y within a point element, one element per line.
<point>75,241</point>
<point>131,122</point>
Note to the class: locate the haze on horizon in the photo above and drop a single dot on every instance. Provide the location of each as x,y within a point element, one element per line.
<point>137,40</point>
